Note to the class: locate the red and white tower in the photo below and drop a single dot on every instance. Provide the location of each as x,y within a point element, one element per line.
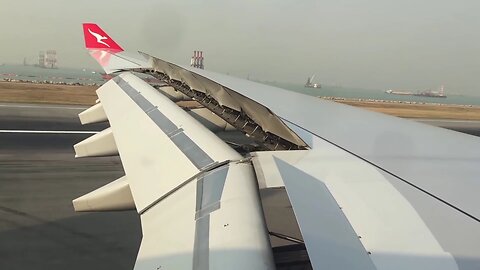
<point>197,59</point>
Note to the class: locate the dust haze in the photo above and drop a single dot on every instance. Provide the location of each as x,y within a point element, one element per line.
<point>375,44</point>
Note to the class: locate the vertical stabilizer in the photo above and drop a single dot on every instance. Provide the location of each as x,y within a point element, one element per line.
<point>108,53</point>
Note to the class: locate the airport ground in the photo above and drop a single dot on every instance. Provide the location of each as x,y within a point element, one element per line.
<point>39,177</point>
<point>23,92</point>
<point>85,95</point>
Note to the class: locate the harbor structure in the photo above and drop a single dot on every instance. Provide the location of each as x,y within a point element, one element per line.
<point>311,84</point>
<point>47,59</point>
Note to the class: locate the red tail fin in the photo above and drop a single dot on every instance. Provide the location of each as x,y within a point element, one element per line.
<point>97,39</point>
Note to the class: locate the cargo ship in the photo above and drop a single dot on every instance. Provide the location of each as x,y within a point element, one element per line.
<point>396,92</point>
<point>426,93</point>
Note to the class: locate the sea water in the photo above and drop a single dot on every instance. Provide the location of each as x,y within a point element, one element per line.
<point>372,94</point>
<point>37,74</point>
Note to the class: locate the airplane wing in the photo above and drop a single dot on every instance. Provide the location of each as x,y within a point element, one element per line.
<point>305,183</point>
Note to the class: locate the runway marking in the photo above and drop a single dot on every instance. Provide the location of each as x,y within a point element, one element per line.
<point>48,131</point>
<point>42,107</point>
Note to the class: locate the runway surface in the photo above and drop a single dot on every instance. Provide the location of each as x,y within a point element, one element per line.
<point>38,180</point>
<point>464,126</point>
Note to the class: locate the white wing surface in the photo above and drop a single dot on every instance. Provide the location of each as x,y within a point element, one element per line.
<point>422,167</point>
<point>197,198</point>
<point>332,186</point>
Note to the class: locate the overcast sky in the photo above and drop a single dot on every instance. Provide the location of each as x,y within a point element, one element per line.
<point>379,44</point>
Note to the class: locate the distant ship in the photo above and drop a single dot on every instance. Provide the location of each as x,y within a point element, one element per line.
<point>310,84</point>
<point>396,92</point>
<point>426,93</point>
<point>430,93</point>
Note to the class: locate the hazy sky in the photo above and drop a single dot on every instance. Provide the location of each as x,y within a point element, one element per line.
<point>378,44</point>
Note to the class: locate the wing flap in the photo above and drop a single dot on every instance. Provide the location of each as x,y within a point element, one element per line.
<point>393,225</point>
<point>328,235</point>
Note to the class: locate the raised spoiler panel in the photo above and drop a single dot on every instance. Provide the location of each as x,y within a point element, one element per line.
<point>197,198</point>
<point>247,115</point>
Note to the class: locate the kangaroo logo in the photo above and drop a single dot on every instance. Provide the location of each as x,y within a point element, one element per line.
<point>99,38</point>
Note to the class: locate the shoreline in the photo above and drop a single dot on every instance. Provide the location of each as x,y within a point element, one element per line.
<point>416,110</point>
<point>385,101</point>
<point>66,94</point>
